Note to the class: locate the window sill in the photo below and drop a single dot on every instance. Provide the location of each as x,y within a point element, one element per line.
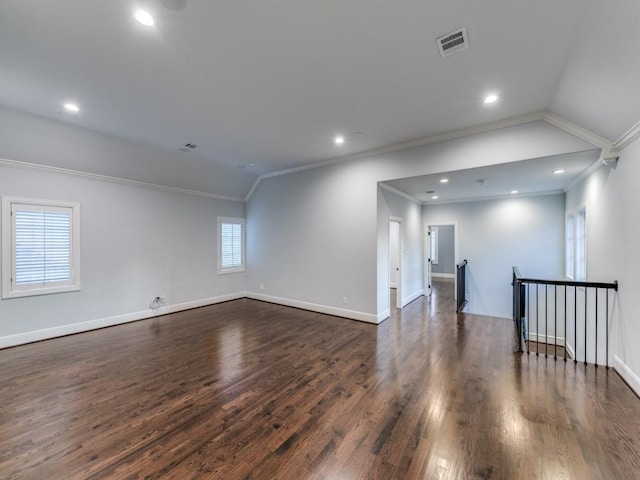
<point>39,291</point>
<point>231,270</point>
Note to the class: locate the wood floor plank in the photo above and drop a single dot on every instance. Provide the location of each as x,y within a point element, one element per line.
<point>251,390</point>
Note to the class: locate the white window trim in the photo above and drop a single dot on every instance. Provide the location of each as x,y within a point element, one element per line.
<point>8,291</point>
<point>433,238</point>
<point>241,268</point>
<point>582,211</point>
<point>570,267</point>
<point>575,213</point>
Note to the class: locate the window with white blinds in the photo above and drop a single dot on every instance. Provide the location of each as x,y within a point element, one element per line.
<point>40,247</point>
<point>231,245</point>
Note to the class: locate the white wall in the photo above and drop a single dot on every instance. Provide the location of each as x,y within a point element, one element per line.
<point>303,240</point>
<point>315,236</point>
<point>613,233</point>
<point>136,243</point>
<point>392,205</point>
<point>495,235</point>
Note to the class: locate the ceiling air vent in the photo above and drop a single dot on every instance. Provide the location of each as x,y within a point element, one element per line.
<point>453,42</point>
<point>188,147</point>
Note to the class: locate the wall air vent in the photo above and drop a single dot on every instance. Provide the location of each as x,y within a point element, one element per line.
<point>453,42</point>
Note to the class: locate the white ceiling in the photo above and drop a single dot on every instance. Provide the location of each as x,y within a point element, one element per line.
<point>272,82</point>
<point>526,177</point>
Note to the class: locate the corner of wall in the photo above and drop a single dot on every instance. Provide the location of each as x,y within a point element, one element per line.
<point>627,374</point>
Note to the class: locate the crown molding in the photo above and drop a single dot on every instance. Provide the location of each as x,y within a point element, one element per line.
<point>400,193</point>
<point>577,131</point>
<point>253,188</point>
<point>488,198</point>
<point>442,137</point>
<point>573,129</point>
<point>627,138</point>
<point>106,178</point>
<point>586,173</point>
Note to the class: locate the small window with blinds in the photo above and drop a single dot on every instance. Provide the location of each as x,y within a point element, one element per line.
<point>40,247</point>
<point>231,245</point>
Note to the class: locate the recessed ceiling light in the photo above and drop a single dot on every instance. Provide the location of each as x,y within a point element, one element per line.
<point>339,140</point>
<point>444,180</point>
<point>513,192</point>
<point>144,18</point>
<point>71,107</point>
<point>558,172</point>
<point>491,98</point>
<point>251,165</point>
<point>435,197</point>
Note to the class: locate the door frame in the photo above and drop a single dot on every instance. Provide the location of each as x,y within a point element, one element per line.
<point>399,221</point>
<point>427,254</point>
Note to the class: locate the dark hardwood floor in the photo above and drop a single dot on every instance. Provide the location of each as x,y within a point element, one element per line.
<point>250,390</point>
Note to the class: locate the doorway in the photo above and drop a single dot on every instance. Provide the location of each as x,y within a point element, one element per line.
<point>395,262</point>
<point>441,257</point>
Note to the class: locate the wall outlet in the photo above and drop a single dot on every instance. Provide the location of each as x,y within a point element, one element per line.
<point>344,300</point>
<point>261,286</point>
<point>157,302</point>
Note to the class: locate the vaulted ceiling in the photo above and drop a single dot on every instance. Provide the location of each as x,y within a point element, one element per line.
<point>271,83</point>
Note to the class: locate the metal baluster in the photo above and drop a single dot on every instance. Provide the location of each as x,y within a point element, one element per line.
<point>537,323</point>
<point>607,331</point>
<point>585,324</point>
<point>555,322</point>
<point>565,323</point>
<point>575,323</point>
<point>546,314</point>
<point>528,314</point>
<point>596,361</point>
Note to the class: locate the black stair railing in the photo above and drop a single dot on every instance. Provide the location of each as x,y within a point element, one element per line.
<point>461,285</point>
<point>553,314</point>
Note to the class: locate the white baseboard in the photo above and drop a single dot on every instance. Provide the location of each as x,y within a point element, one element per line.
<point>382,316</point>
<point>443,275</point>
<point>550,340</point>
<point>627,374</point>
<point>62,330</point>
<point>407,300</point>
<point>314,307</point>
<point>570,350</point>
<point>545,339</point>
